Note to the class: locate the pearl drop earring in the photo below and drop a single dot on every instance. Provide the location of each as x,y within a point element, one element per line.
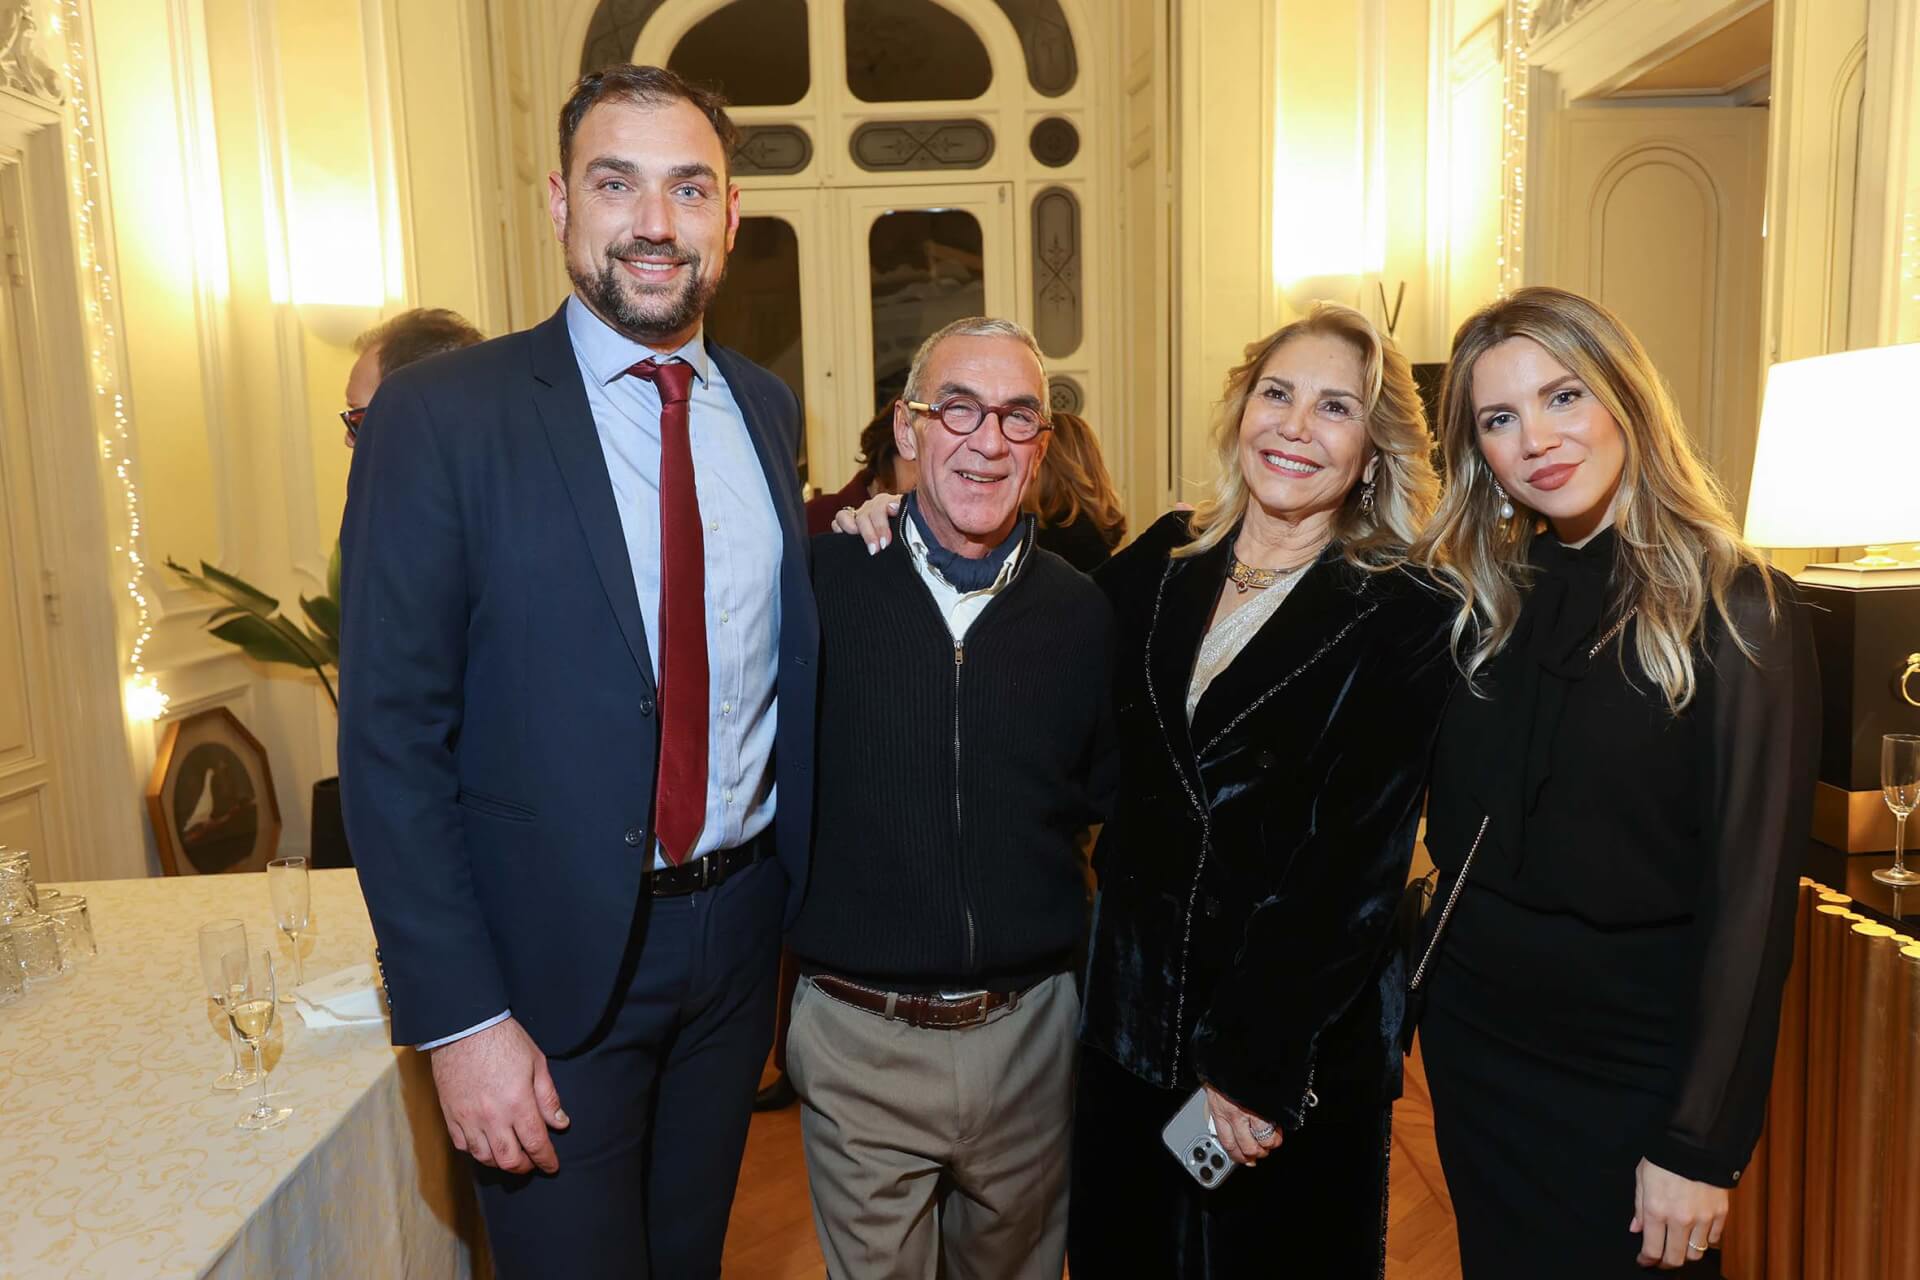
<point>1506,503</point>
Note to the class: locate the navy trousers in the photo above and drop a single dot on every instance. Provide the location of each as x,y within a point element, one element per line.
<point>659,1101</point>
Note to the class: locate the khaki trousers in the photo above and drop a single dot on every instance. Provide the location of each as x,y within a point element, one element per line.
<point>938,1153</point>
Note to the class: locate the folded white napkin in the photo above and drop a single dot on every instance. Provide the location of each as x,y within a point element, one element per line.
<point>347,998</point>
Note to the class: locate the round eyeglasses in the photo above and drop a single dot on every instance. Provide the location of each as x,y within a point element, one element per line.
<point>963,415</point>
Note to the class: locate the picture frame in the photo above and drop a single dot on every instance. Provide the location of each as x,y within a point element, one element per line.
<point>211,798</point>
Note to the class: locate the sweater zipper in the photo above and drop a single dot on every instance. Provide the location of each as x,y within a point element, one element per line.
<point>959,838</point>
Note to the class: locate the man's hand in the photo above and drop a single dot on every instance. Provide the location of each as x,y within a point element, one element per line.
<point>498,1099</point>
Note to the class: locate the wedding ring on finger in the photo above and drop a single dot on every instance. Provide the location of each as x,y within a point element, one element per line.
<point>1261,1134</point>
<point>1695,1248</point>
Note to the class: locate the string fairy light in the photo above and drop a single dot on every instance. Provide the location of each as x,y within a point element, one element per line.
<point>1511,237</point>
<point>144,699</point>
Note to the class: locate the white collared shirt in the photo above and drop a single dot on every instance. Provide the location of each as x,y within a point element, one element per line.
<point>960,608</point>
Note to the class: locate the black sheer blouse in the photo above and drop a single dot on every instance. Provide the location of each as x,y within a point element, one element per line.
<point>1605,806</point>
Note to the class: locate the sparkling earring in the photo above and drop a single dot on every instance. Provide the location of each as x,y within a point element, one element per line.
<point>1506,503</point>
<point>1366,498</point>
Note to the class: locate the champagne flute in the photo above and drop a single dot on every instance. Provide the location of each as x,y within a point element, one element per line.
<point>250,1007</point>
<point>217,938</point>
<point>287,881</point>
<point>1900,784</point>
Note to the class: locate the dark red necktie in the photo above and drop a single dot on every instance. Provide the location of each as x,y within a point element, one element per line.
<point>680,795</point>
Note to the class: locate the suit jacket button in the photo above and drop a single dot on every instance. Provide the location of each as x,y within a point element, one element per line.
<point>646,705</point>
<point>634,836</point>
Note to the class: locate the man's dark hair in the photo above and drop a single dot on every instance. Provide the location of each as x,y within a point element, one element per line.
<point>649,86</point>
<point>878,448</point>
<point>415,335</point>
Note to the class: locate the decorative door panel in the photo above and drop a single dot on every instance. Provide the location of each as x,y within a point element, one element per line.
<point>29,810</point>
<point>919,257</point>
<point>1659,218</point>
<point>23,826</point>
<point>772,307</point>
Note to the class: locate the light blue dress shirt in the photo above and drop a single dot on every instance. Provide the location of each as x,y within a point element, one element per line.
<point>742,546</point>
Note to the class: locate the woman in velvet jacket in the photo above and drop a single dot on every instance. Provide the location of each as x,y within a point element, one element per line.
<point>1279,682</point>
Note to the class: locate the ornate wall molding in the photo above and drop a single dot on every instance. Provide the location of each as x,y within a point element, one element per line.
<point>22,65</point>
<point>1554,14</point>
<point>893,145</point>
<point>1056,271</point>
<point>771,150</point>
<point>613,32</point>
<point>1047,42</point>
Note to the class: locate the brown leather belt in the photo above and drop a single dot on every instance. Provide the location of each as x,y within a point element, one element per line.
<point>931,1012</point>
<point>707,870</point>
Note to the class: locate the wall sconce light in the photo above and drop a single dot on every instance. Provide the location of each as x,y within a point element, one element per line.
<point>336,323</point>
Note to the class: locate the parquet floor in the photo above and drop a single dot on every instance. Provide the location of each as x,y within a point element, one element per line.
<point>771,1236</point>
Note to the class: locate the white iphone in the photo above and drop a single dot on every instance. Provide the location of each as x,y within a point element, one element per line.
<point>1190,1136</point>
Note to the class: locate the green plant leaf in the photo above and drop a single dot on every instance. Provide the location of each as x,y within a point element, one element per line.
<point>260,640</point>
<point>313,655</point>
<point>326,645</point>
<point>237,591</point>
<point>333,580</point>
<point>324,613</point>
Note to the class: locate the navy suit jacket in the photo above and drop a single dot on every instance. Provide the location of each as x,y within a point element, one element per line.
<point>498,733</point>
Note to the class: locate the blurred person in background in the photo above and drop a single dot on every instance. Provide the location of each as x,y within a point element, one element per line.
<point>882,470</point>
<point>1079,509</point>
<point>395,344</point>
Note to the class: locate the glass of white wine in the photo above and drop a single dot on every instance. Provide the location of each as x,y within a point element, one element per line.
<point>250,1006</point>
<point>217,938</point>
<point>287,882</point>
<point>1900,784</point>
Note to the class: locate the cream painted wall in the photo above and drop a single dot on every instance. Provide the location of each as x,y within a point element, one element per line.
<point>282,174</point>
<point>1225,296</point>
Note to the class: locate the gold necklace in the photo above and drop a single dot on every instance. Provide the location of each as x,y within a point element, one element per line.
<point>1245,577</point>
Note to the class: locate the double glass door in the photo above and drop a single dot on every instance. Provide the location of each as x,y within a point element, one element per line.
<point>834,290</point>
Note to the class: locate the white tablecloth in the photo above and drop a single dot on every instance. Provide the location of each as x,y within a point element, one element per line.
<point>117,1159</point>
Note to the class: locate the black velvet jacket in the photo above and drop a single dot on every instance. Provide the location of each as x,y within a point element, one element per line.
<point>1248,879</point>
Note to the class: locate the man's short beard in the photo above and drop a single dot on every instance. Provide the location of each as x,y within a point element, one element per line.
<point>667,316</point>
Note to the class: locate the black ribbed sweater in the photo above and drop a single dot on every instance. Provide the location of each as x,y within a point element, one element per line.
<point>953,779</point>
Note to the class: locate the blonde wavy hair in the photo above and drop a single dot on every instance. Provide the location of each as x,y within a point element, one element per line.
<point>1405,485</point>
<point>1073,479</point>
<point>1679,547</point>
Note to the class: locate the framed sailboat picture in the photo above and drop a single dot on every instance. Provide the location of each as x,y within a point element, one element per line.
<point>211,797</point>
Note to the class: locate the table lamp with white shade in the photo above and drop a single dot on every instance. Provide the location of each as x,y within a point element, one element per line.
<point>1837,464</point>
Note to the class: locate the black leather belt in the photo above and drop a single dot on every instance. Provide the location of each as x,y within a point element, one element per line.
<point>707,870</point>
<point>931,1012</point>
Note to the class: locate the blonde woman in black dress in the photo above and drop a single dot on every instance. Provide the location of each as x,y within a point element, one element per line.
<point>1630,771</point>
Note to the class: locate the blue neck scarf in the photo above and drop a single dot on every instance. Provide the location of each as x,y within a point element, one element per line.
<point>961,572</point>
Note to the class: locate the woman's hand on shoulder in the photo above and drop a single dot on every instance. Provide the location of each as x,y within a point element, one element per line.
<point>1244,1135</point>
<point>870,521</point>
<point>1677,1219</point>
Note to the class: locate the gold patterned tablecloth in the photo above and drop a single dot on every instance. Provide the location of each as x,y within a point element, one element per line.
<point>117,1158</point>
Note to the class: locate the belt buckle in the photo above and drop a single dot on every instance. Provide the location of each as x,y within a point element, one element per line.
<point>705,878</point>
<point>963,998</point>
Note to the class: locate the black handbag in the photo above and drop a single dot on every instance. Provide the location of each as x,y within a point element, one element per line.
<point>1414,903</point>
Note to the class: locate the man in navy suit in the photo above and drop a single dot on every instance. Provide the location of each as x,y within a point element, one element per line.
<point>576,724</point>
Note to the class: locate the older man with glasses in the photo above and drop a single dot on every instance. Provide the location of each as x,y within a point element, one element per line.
<point>932,1033</point>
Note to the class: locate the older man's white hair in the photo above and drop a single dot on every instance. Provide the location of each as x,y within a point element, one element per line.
<point>970,327</point>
